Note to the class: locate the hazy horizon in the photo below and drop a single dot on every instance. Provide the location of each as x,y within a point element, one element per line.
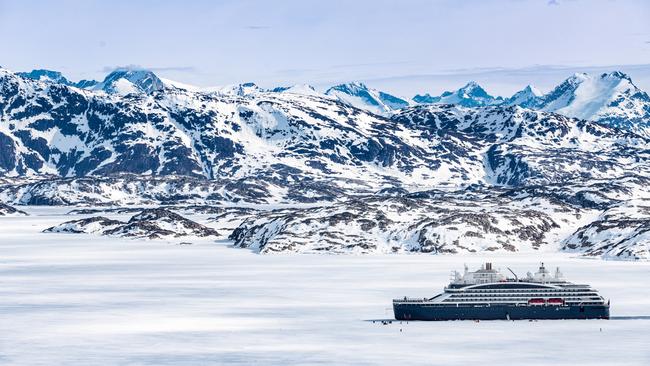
<point>405,48</point>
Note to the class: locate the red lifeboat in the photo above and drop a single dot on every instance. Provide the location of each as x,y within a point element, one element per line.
<point>555,301</point>
<point>536,302</point>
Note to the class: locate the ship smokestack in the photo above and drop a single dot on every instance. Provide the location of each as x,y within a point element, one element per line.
<point>488,266</point>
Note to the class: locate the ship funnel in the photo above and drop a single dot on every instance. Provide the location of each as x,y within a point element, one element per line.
<point>488,266</point>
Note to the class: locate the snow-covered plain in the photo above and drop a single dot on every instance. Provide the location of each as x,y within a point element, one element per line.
<point>69,299</point>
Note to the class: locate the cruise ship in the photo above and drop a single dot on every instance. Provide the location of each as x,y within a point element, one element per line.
<point>486,294</point>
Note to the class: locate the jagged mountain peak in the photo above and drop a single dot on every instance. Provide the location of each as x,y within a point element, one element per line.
<point>351,87</point>
<point>612,78</point>
<point>304,89</point>
<point>609,97</point>
<point>130,80</point>
<point>241,90</point>
<point>470,95</point>
<point>50,76</point>
<point>361,96</point>
<point>46,76</point>
<point>86,84</point>
<point>616,75</point>
<point>532,90</point>
<point>473,90</point>
<point>473,87</point>
<point>528,97</point>
<point>578,76</point>
<point>60,145</point>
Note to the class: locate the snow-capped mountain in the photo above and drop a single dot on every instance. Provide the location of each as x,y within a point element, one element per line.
<point>359,95</point>
<point>50,76</point>
<point>65,145</point>
<point>238,89</point>
<point>527,97</point>
<point>304,89</point>
<point>54,129</point>
<point>46,76</point>
<point>622,231</point>
<point>130,81</point>
<point>470,95</point>
<point>86,84</point>
<point>609,97</point>
<point>250,88</point>
<point>271,136</point>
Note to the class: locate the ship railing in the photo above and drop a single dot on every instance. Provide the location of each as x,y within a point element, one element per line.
<point>412,299</point>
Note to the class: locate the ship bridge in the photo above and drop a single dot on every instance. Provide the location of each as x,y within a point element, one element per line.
<point>504,286</point>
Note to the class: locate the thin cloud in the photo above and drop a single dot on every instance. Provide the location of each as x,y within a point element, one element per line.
<point>293,71</point>
<point>387,63</point>
<point>124,67</point>
<point>257,27</point>
<point>174,68</point>
<point>553,2</point>
<point>188,69</point>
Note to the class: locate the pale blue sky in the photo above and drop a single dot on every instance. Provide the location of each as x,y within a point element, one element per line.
<point>401,46</point>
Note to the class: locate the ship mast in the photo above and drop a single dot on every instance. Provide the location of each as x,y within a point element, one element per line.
<point>513,273</point>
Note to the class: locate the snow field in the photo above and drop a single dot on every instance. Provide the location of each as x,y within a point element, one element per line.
<point>86,300</point>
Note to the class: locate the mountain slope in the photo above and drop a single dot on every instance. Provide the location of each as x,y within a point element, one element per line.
<point>149,223</point>
<point>470,95</point>
<point>526,98</point>
<point>475,219</point>
<point>128,81</point>
<point>516,147</point>
<point>304,89</point>
<point>622,231</point>
<point>430,178</point>
<point>440,224</point>
<point>46,76</point>
<point>360,96</point>
<point>50,76</point>
<point>53,129</point>
<point>611,98</point>
<point>6,210</point>
<point>239,89</point>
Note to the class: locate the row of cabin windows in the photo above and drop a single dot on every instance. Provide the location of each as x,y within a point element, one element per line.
<point>529,290</point>
<point>530,295</point>
<point>518,299</point>
<point>434,305</point>
<point>557,293</point>
<point>510,298</point>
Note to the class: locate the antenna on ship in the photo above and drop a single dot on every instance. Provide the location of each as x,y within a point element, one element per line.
<point>513,273</point>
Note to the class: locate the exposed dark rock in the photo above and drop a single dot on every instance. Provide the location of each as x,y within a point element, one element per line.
<point>6,210</point>
<point>149,223</point>
<point>621,232</point>
<point>450,223</point>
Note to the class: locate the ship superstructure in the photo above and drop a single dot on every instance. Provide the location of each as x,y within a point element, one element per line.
<point>487,294</point>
